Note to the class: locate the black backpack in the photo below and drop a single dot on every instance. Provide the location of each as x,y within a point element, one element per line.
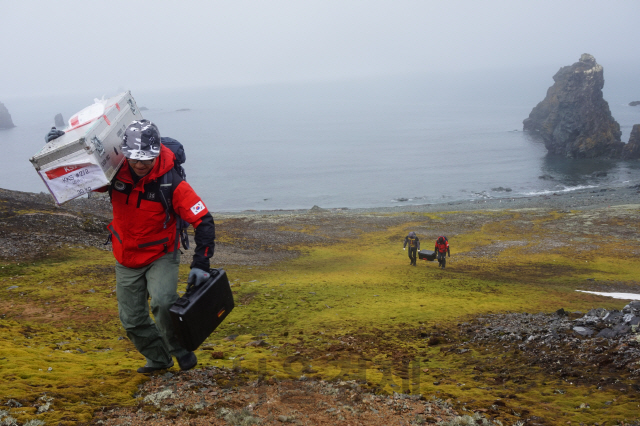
<point>168,183</point>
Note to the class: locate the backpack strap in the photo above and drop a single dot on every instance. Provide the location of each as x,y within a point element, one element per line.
<point>166,194</point>
<point>168,183</point>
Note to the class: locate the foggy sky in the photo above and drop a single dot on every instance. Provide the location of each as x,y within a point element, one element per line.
<point>67,46</point>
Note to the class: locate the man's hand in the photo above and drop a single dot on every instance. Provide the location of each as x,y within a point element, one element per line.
<point>197,276</point>
<point>53,134</point>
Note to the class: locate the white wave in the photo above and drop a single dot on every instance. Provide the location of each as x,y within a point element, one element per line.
<point>566,189</point>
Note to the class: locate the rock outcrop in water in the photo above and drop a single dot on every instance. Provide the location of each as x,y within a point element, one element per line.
<point>574,120</point>
<point>631,150</point>
<point>59,121</point>
<point>5,118</point>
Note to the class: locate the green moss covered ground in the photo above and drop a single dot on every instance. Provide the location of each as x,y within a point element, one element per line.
<point>351,309</point>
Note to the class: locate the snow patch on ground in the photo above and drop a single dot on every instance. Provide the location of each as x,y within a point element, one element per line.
<point>626,296</point>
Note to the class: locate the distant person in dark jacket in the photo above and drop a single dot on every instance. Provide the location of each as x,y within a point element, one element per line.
<point>414,246</point>
<point>442,249</point>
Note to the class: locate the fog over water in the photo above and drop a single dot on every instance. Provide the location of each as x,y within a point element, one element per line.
<point>294,104</point>
<point>365,143</point>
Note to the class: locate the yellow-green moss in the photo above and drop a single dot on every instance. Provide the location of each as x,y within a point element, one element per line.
<point>314,310</point>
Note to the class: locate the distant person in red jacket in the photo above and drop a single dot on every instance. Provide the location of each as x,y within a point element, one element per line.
<point>442,249</point>
<point>413,242</point>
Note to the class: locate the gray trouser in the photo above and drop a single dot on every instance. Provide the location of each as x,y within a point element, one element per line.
<point>156,341</point>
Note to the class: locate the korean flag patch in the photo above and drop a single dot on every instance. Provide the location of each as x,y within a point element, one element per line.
<point>197,207</point>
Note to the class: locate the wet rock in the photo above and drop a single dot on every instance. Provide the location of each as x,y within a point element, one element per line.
<point>631,150</point>
<point>574,120</point>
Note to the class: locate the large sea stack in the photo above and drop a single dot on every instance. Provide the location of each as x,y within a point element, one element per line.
<point>574,120</point>
<point>5,118</point>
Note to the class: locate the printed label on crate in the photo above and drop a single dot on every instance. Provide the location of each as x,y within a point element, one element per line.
<point>73,180</point>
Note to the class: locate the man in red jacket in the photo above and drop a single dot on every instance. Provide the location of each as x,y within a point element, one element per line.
<point>145,244</point>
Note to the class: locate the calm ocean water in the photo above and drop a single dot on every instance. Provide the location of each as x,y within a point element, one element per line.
<point>359,144</point>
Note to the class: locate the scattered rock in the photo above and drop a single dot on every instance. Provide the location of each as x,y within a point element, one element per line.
<point>13,403</point>
<point>583,331</point>
<point>256,343</point>
<point>242,401</point>
<point>501,189</point>
<point>634,103</point>
<point>156,398</point>
<point>574,120</point>
<point>567,343</point>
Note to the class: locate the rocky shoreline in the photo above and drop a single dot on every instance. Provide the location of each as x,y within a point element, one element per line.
<point>580,199</point>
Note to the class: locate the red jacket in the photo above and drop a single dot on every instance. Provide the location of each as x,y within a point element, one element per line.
<point>139,233</point>
<point>442,247</point>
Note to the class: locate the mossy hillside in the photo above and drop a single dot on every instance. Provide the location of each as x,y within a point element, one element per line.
<point>354,309</point>
<point>365,284</point>
<point>60,335</point>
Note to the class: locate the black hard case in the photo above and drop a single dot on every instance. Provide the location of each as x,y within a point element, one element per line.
<point>427,255</point>
<point>196,314</point>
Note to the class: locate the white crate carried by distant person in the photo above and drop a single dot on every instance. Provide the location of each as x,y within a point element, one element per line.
<point>88,155</point>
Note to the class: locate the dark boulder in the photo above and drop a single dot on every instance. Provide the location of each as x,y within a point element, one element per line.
<point>607,333</point>
<point>631,150</point>
<point>5,118</point>
<point>634,103</point>
<point>574,120</point>
<point>59,121</point>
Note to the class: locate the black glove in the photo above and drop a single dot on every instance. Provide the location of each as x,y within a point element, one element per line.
<point>197,276</point>
<point>53,134</point>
